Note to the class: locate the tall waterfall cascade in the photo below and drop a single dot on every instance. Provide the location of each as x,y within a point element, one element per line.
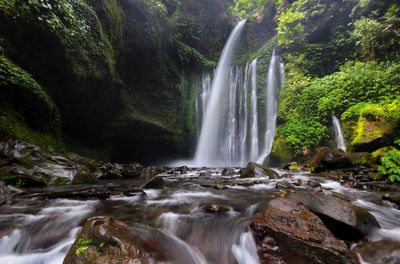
<point>234,127</point>
<point>275,79</point>
<point>340,142</point>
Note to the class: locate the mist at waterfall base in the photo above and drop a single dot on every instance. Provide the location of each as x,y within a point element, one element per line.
<point>236,119</point>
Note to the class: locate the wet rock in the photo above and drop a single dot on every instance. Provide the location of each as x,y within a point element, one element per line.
<point>104,240</point>
<point>286,232</point>
<point>213,208</point>
<point>313,183</point>
<point>155,183</point>
<point>33,167</point>
<point>392,197</point>
<point>257,170</point>
<point>228,172</point>
<point>149,172</point>
<point>110,171</point>
<point>327,159</point>
<point>292,166</point>
<point>284,185</point>
<point>5,194</point>
<point>131,170</point>
<point>379,252</point>
<point>347,221</point>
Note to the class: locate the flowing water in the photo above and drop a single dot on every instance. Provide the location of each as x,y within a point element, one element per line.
<point>275,79</point>
<point>40,232</point>
<point>208,151</point>
<point>340,143</point>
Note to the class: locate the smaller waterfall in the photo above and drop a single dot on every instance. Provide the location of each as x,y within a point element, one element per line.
<point>201,100</point>
<point>340,143</point>
<point>254,112</point>
<point>275,79</point>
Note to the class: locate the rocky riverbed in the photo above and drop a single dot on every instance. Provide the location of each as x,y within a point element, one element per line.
<point>135,214</point>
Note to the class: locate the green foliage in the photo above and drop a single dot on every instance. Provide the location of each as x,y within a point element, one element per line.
<point>378,39</point>
<point>83,245</point>
<point>391,165</point>
<point>290,28</point>
<point>190,54</point>
<point>355,83</point>
<point>297,134</point>
<point>77,29</point>
<point>22,181</point>
<point>250,9</point>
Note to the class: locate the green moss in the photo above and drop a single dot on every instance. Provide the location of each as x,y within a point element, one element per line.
<point>375,120</point>
<point>26,111</point>
<point>22,181</point>
<point>378,154</point>
<point>190,54</point>
<point>82,246</point>
<point>282,150</point>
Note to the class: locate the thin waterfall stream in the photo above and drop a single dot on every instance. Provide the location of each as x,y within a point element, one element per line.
<point>339,137</point>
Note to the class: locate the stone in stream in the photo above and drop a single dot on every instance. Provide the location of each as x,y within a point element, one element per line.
<point>379,252</point>
<point>254,170</point>
<point>287,232</point>
<point>346,220</point>
<point>103,240</point>
<point>155,183</point>
<point>5,194</point>
<point>212,208</point>
<point>26,165</point>
<point>327,159</point>
<point>284,185</point>
<point>228,172</point>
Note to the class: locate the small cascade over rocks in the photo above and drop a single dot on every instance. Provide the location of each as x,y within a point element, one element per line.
<point>229,112</point>
<point>340,142</point>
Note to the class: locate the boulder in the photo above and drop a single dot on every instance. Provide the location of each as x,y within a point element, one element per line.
<point>284,185</point>
<point>29,166</point>
<point>287,232</point>
<point>155,183</point>
<point>254,170</point>
<point>326,159</point>
<point>346,220</point>
<point>384,251</point>
<point>5,194</point>
<point>131,170</point>
<point>104,240</point>
<point>228,172</point>
<point>361,159</point>
<point>212,208</point>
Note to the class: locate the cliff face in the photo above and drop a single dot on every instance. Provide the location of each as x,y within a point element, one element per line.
<point>103,76</point>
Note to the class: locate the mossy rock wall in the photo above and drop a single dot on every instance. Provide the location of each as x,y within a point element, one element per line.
<point>112,69</point>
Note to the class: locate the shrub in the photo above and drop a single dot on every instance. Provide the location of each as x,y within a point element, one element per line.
<point>391,165</point>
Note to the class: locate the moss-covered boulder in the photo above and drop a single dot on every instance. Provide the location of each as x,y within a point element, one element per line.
<point>371,126</point>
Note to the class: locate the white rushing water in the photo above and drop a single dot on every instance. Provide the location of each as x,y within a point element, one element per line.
<point>275,79</point>
<point>208,151</point>
<point>254,112</point>
<point>228,111</point>
<point>340,143</point>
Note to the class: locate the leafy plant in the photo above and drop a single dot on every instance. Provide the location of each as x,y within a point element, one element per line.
<point>391,165</point>
<point>251,9</point>
<point>83,245</point>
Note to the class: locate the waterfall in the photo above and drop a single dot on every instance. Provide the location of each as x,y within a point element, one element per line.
<point>244,112</point>
<point>229,113</point>
<point>254,112</point>
<point>340,143</point>
<point>201,100</point>
<point>275,79</point>
<point>208,152</point>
